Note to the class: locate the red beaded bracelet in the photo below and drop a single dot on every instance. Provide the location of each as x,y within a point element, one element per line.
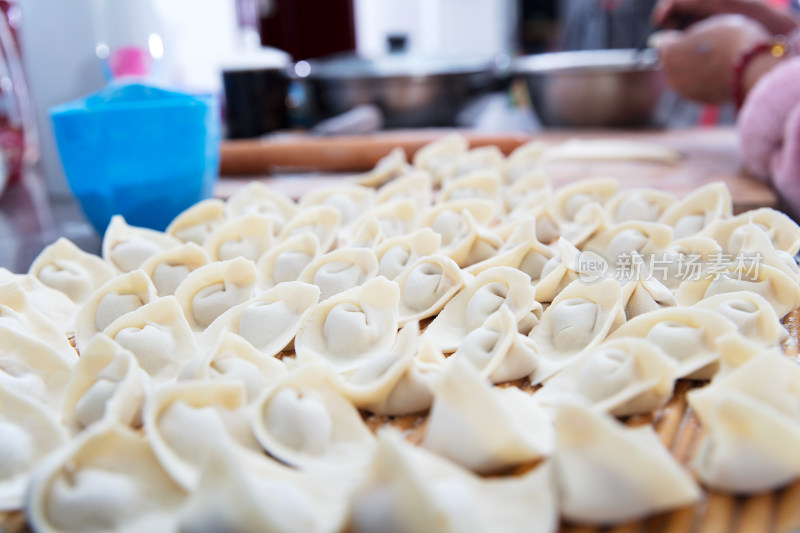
<point>777,48</point>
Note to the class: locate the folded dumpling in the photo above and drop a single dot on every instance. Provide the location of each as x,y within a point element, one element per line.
<point>607,473</point>
<point>234,359</point>
<point>529,191</point>
<point>284,261</point>
<point>524,160</point>
<point>395,254</point>
<point>688,335</point>
<point>778,287</point>
<point>169,268</point>
<point>522,250</point>
<point>570,199</point>
<point>115,298</point>
<point>409,489</point>
<point>484,428</point>
<point>683,259</point>
<point>623,376</point>
<point>257,198</point>
<point>257,494</point>
<point>196,223</point>
<point>395,218</point>
<point>415,186</point>
<point>482,158</point>
<point>49,302</point>
<point>32,368</point>
<point>17,313</point>
<point>643,294</point>
<point>366,233</point>
<point>579,318</point>
<point>642,205</point>
<point>479,299</point>
<point>449,219</point>
<point>698,210</point>
<point>304,421</point>
<point>426,285</point>
<point>66,268</point>
<point>348,329</point>
<point>339,270</point>
<point>106,480</point>
<point>565,265</point>
<point>752,432</point>
<point>497,350</point>
<point>212,289</point>
<point>29,433</point>
<point>397,381</point>
<point>322,221</point>
<point>753,315</point>
<point>630,247</point>
<point>106,384</point>
<point>269,321</point>
<point>127,247</point>
<point>439,157</point>
<point>484,184</point>
<point>783,232</point>
<point>158,335</point>
<point>185,421</point>
<point>350,200</point>
<point>247,236</point>
<point>389,168</point>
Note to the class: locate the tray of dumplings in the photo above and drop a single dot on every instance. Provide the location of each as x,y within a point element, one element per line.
<point>446,344</point>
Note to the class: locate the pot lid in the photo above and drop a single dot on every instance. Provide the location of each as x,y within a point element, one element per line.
<point>589,61</point>
<point>393,65</point>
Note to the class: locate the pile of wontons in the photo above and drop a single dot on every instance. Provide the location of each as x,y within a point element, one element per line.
<point>417,290</point>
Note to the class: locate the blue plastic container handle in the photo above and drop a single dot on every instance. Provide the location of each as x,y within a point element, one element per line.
<point>140,151</point>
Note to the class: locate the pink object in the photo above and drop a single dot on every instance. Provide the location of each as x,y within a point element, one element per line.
<point>130,61</point>
<point>769,131</point>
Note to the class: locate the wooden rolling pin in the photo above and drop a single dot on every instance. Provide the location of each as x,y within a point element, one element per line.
<point>339,153</point>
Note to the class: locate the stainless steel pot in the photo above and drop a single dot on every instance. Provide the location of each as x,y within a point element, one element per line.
<point>410,91</point>
<point>594,88</point>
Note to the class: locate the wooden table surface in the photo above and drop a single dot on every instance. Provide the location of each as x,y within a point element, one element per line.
<point>707,154</point>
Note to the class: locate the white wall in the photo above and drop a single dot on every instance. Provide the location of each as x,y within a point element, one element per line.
<point>58,53</point>
<point>443,27</point>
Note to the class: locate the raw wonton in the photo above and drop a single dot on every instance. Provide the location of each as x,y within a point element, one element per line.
<point>196,223</point>
<point>752,430</point>
<point>66,268</point>
<point>28,432</point>
<point>348,329</point>
<point>479,299</point>
<point>269,321</point>
<point>127,247</point>
<point>212,289</point>
<point>624,376</point>
<point>106,480</point>
<point>158,335</point>
<point>409,489</point>
<point>303,420</point>
<point>607,473</point>
<point>115,298</point>
<point>484,428</point>
<point>169,268</point>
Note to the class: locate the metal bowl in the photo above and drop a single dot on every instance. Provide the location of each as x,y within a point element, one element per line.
<point>594,88</point>
<point>410,91</point>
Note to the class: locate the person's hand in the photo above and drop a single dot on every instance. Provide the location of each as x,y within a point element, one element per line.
<point>677,14</point>
<point>699,62</point>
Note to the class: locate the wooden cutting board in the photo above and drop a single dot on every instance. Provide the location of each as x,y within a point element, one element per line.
<point>707,154</point>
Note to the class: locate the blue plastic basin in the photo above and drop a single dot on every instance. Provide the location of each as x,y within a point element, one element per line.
<point>140,151</point>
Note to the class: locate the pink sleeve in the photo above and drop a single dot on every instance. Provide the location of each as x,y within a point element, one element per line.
<point>763,123</point>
